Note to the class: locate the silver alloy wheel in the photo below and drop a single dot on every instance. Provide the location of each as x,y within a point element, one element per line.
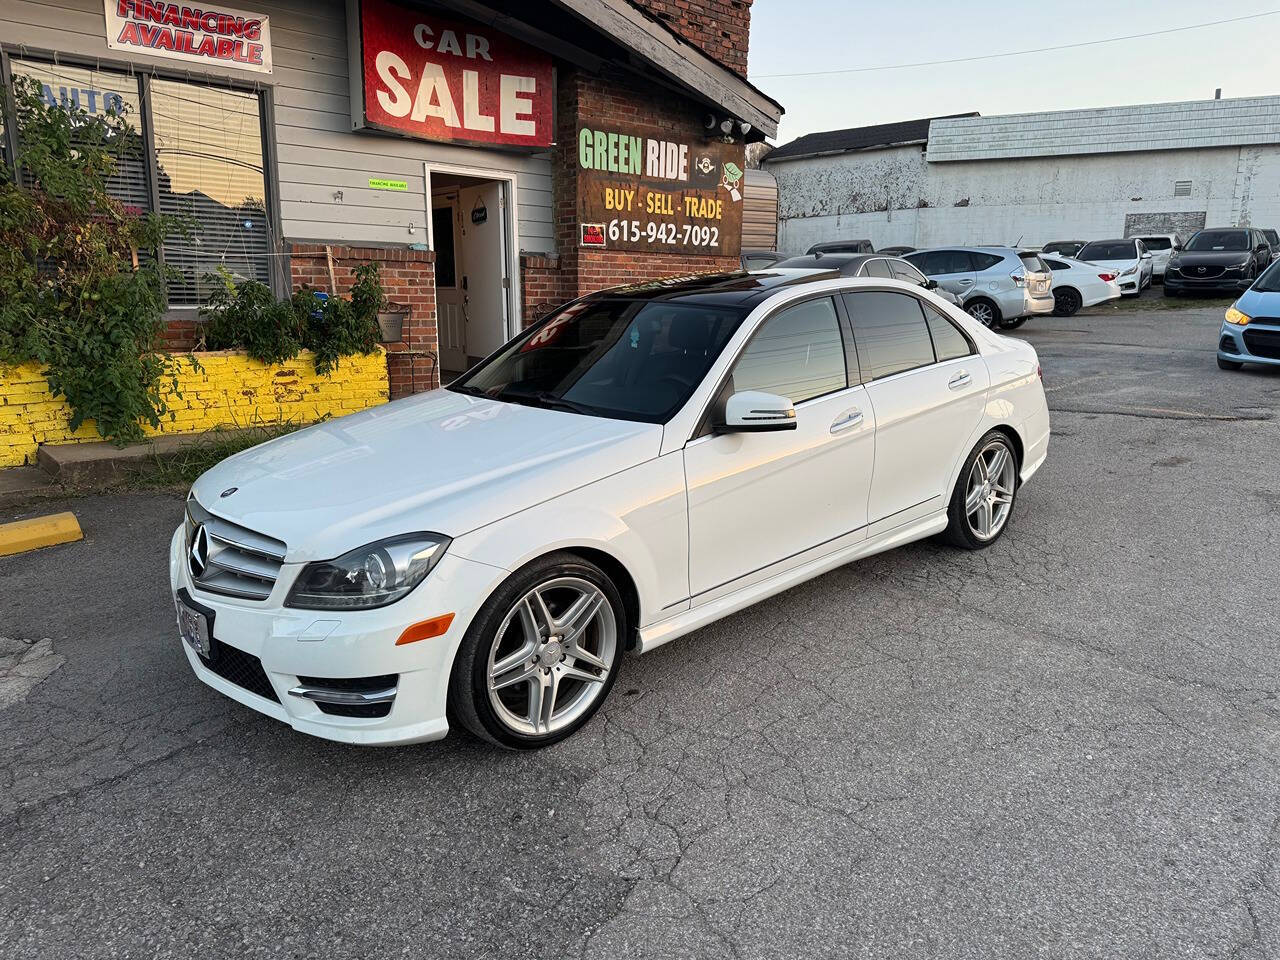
<point>989,494</point>
<point>551,656</point>
<point>982,312</point>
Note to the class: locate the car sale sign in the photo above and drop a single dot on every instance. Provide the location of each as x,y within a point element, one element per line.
<point>196,34</point>
<point>451,79</point>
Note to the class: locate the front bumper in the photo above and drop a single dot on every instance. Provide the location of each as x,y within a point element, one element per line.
<point>1253,343</point>
<point>291,645</point>
<point>1175,282</point>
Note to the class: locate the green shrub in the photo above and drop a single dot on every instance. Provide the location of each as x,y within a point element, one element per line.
<point>249,317</point>
<point>78,293</point>
<point>341,327</point>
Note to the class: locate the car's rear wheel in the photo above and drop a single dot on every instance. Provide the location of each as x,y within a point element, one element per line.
<point>1066,302</point>
<point>1229,364</point>
<point>541,655</point>
<point>982,501</point>
<point>984,311</point>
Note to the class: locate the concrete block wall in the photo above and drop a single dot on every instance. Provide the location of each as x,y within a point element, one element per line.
<point>216,389</point>
<point>899,196</point>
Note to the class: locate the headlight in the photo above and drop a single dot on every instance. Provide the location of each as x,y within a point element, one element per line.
<point>1235,268</point>
<point>1238,318</point>
<point>1130,271</point>
<point>372,576</point>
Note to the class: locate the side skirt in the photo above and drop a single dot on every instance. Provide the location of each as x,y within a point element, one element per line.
<point>664,631</point>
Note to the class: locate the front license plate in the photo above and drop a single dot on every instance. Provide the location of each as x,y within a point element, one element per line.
<point>194,627</point>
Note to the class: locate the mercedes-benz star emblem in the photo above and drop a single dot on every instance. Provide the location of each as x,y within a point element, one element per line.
<point>199,552</point>
<point>228,492</point>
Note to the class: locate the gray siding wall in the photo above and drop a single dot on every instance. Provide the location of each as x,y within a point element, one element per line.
<point>1154,126</point>
<point>318,153</point>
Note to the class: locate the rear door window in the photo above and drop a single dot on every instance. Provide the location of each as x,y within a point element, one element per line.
<point>890,332</point>
<point>948,342</point>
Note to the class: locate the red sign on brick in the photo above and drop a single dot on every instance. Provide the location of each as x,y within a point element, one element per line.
<point>452,79</point>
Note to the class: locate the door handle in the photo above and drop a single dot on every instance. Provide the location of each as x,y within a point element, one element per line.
<point>961,379</point>
<point>847,421</point>
<point>965,282</point>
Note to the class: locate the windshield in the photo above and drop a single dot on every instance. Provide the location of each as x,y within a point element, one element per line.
<point>1220,241</point>
<point>1108,250</point>
<point>1063,248</point>
<point>1033,263</point>
<point>1269,282</point>
<point>625,359</point>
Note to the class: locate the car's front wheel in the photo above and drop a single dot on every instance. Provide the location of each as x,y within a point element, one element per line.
<point>984,494</point>
<point>541,655</point>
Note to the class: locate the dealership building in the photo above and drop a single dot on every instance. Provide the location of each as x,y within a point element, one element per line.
<point>1034,177</point>
<point>493,158</point>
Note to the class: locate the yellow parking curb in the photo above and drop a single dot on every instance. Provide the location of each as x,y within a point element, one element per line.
<point>23,535</point>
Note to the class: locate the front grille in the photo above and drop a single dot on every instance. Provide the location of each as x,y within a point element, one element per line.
<point>242,669</point>
<point>1262,343</point>
<point>226,558</point>
<point>1207,272</point>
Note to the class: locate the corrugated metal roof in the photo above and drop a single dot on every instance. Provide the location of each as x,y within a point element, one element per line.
<point>858,138</point>
<point>1153,126</point>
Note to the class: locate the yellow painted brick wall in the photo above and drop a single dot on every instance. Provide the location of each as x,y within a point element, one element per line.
<point>228,389</point>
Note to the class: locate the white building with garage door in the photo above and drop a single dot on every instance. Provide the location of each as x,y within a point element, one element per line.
<point>1034,177</point>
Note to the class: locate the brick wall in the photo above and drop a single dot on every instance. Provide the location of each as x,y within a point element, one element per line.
<point>718,27</point>
<point>592,100</point>
<point>543,286</point>
<point>408,278</point>
<point>227,389</point>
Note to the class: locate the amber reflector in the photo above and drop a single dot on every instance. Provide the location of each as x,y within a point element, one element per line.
<point>426,629</point>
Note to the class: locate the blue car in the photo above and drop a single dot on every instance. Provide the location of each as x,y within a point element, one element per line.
<point>1251,329</point>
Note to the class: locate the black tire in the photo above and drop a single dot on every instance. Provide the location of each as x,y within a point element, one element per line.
<point>1012,323</point>
<point>959,531</point>
<point>1229,364</point>
<point>1066,302</point>
<point>469,701</point>
<point>984,311</point>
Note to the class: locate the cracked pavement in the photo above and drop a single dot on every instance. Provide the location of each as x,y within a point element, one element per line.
<point>1064,746</point>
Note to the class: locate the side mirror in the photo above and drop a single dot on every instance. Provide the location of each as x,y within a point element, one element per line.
<point>752,411</point>
<point>1146,255</point>
<point>1177,248</point>
<point>930,283</point>
<point>1244,285</point>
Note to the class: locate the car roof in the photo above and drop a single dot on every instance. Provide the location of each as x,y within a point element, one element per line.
<point>730,290</point>
<point>816,261</point>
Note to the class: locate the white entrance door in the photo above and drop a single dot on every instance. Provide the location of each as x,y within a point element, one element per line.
<point>482,258</point>
<point>451,319</point>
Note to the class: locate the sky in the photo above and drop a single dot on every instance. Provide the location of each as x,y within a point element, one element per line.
<point>792,36</point>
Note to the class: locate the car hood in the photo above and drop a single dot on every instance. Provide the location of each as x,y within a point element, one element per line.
<point>1217,258</point>
<point>1258,304</point>
<point>441,462</point>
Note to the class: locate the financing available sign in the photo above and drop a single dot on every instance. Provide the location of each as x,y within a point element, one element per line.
<point>209,35</point>
<point>646,193</point>
<point>447,78</point>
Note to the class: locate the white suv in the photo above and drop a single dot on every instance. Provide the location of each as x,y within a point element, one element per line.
<point>1161,247</point>
<point>997,286</point>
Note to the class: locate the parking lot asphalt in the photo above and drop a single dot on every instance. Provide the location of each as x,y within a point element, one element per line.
<point>1064,746</point>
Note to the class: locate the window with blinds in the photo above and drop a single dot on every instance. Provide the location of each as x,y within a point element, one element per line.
<point>206,156</point>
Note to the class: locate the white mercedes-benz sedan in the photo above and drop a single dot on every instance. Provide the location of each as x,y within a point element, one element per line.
<point>641,463</point>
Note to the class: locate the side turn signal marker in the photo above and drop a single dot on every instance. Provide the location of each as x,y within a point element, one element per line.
<point>426,629</point>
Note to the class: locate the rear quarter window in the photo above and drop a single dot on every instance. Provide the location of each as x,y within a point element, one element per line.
<point>985,261</point>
